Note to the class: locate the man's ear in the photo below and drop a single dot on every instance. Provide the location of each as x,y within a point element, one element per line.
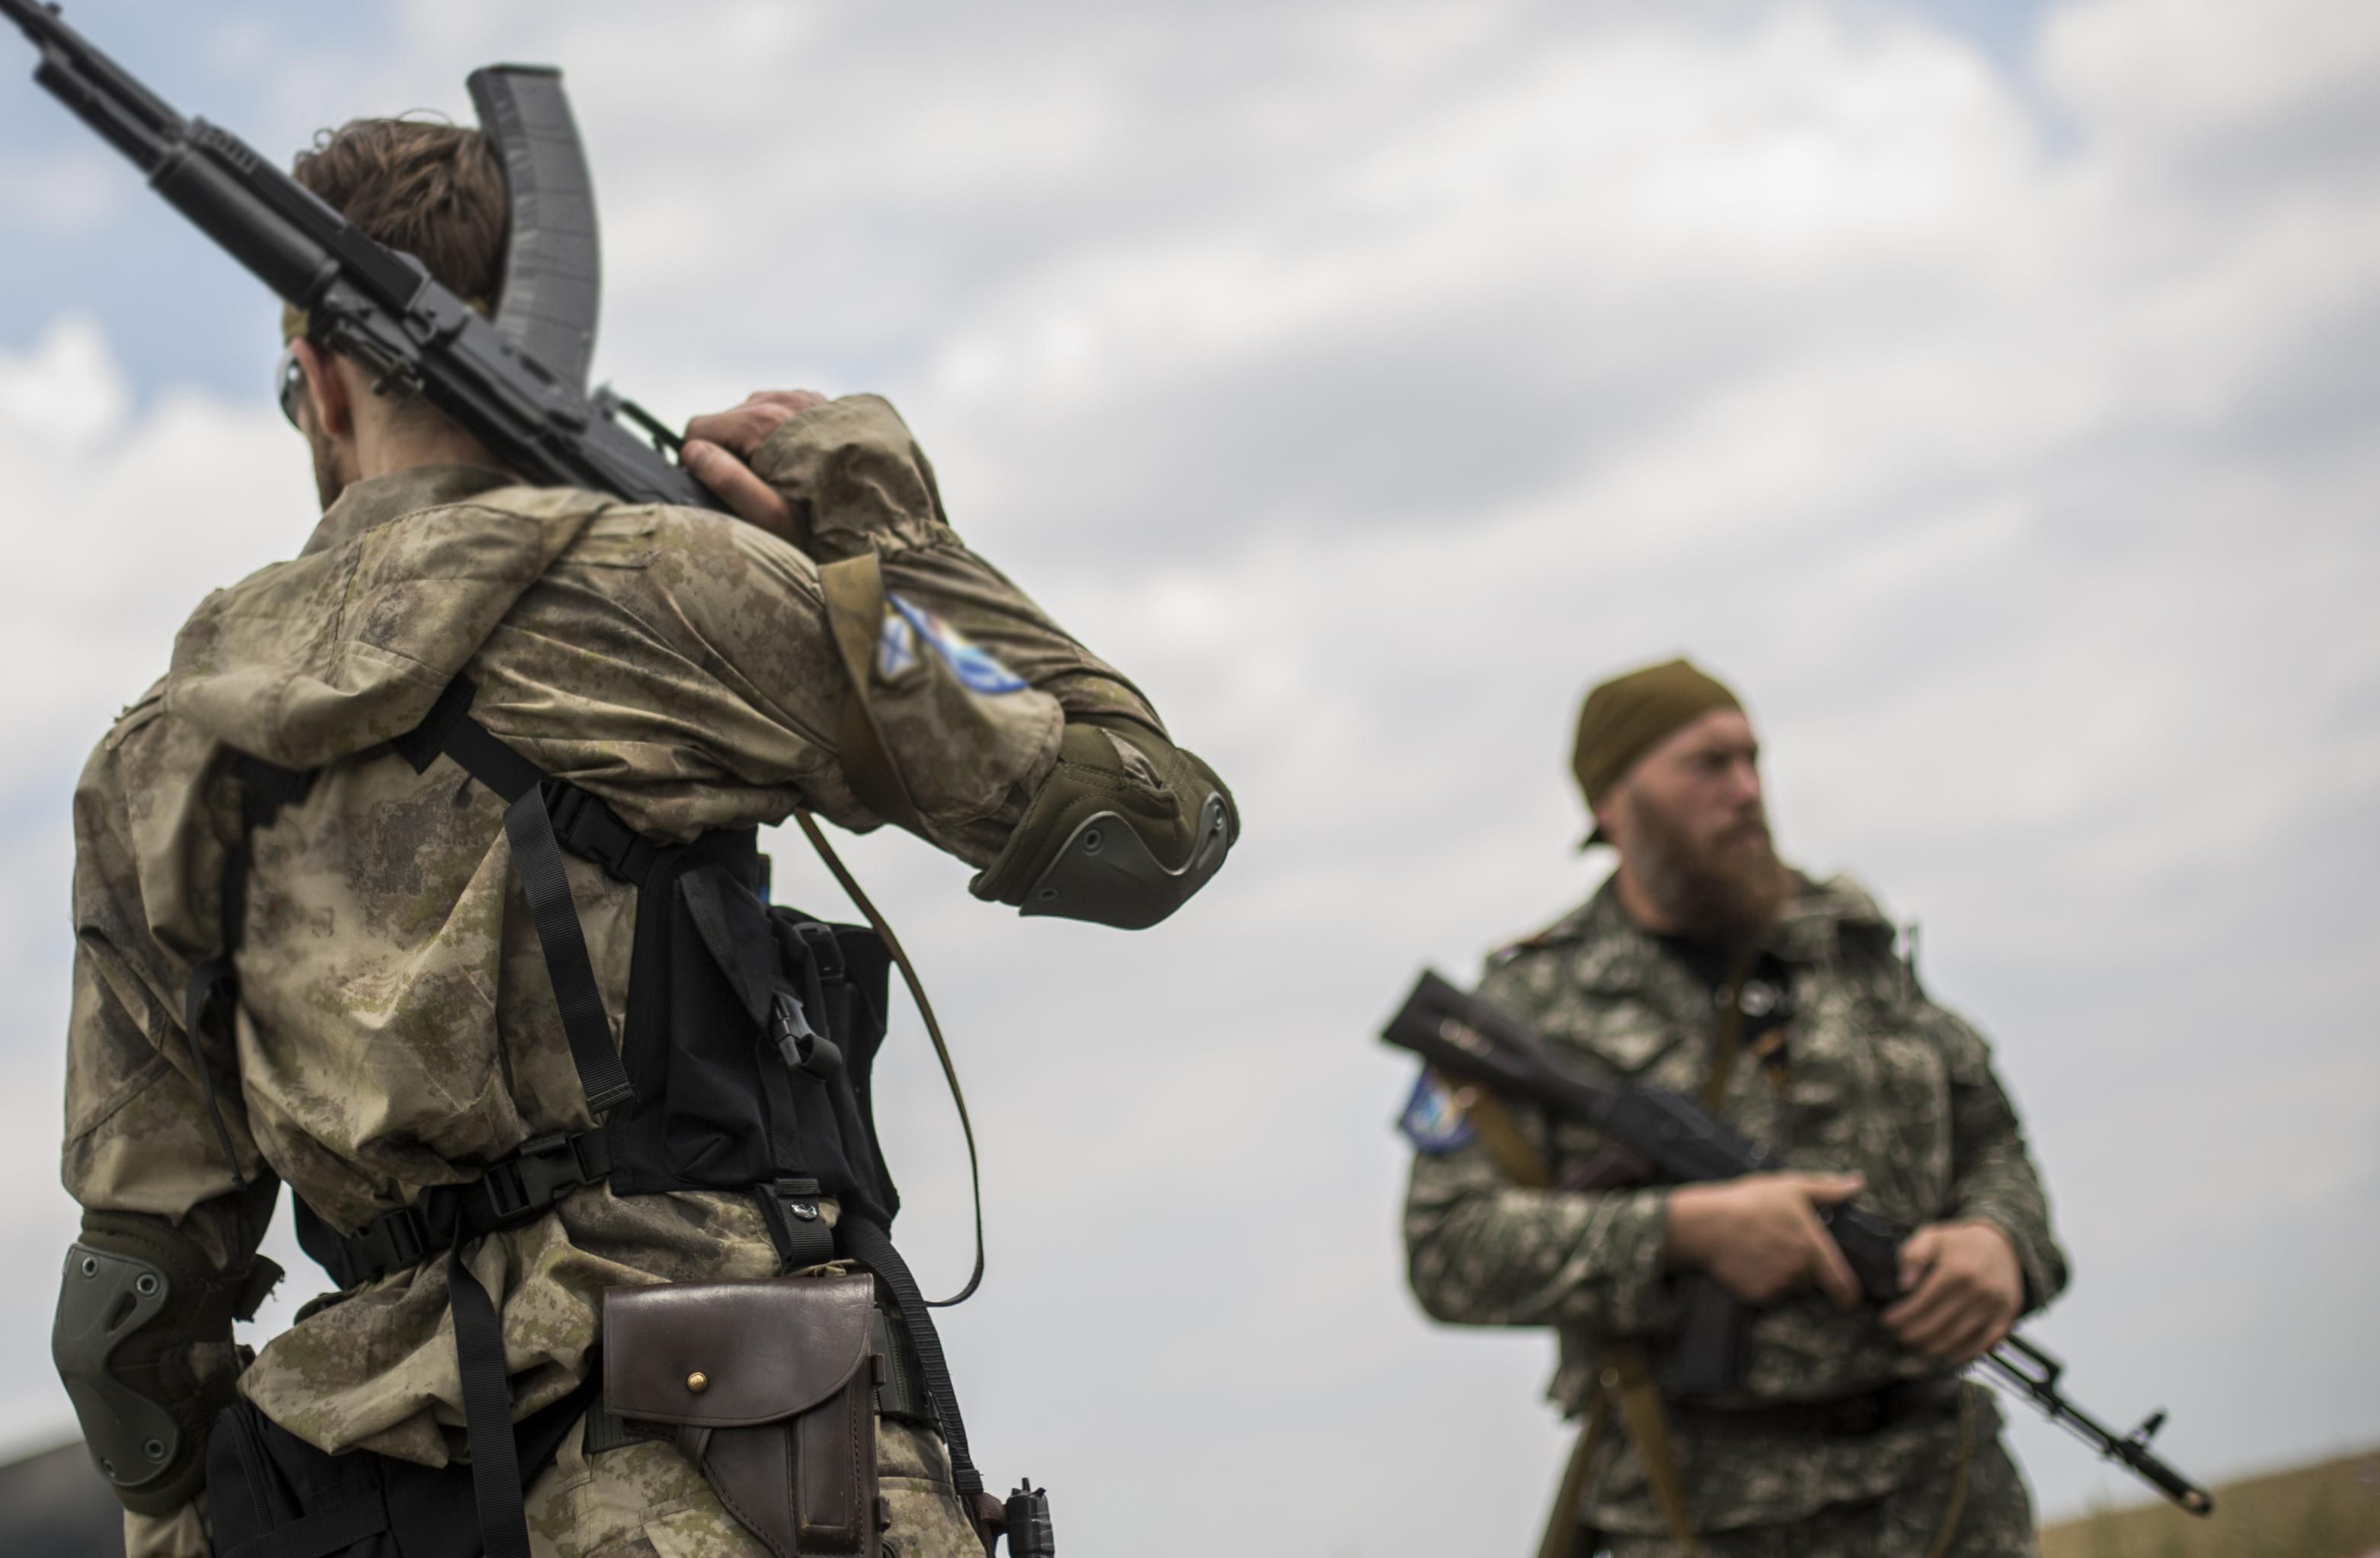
<point>1606,812</point>
<point>326,387</point>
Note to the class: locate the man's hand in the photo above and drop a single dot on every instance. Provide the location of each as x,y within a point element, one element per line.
<point>717,445</point>
<point>1760,1237</point>
<point>1962,1290</point>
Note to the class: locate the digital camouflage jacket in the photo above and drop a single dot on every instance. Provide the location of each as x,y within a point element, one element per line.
<point>397,1026</point>
<point>1873,1077</point>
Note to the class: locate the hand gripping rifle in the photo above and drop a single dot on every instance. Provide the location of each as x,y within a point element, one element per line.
<point>1466,1040</point>
<point>516,382</point>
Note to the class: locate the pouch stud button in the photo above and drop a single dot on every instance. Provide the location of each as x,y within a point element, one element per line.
<point>697,1381</point>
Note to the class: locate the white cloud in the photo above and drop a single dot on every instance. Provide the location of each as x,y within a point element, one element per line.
<point>118,522</point>
<point>1366,378</point>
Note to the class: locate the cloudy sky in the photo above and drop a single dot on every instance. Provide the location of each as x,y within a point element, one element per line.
<point>1987,388</point>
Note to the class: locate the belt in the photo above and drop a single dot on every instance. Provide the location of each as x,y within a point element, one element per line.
<point>1846,1417</point>
<point>519,1188</point>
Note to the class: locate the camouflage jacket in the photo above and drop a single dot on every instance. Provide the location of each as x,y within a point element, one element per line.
<point>1872,1077</point>
<point>397,1028</point>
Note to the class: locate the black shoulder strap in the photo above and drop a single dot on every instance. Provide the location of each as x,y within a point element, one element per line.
<point>531,798</point>
<point>537,850</point>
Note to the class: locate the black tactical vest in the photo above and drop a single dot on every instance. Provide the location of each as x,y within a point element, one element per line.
<point>743,1067</point>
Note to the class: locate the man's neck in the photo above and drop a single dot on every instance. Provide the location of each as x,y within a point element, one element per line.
<point>387,449</point>
<point>1639,904</point>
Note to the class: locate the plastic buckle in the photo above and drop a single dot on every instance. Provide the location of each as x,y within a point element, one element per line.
<point>564,804</point>
<point>532,1179</point>
<point>406,1240</point>
<point>590,829</point>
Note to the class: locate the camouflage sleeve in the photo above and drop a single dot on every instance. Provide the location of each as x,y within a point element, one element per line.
<point>855,480</point>
<point>1993,1176</point>
<point>1485,1245</point>
<point>1481,1250</point>
<point>136,1137</point>
<point>983,685</point>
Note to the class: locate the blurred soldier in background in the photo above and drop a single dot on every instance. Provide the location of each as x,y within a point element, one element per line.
<point>1706,965</point>
<point>322,925</point>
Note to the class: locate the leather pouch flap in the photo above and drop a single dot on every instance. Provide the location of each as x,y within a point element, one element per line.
<point>765,1350</point>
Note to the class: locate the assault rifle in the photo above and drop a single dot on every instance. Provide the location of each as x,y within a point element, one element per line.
<point>517,382</point>
<point>1465,1040</point>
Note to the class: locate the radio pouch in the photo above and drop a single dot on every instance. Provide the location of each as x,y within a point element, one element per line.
<point>770,1387</point>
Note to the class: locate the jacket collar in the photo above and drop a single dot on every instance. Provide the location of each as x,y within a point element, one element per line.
<point>376,500</point>
<point>1616,955</point>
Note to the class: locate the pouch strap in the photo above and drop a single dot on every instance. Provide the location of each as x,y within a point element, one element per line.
<point>797,1225</point>
<point>487,1414</point>
<point>870,1245</point>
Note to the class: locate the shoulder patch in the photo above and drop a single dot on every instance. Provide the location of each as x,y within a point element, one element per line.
<point>1431,1121</point>
<point>909,625</point>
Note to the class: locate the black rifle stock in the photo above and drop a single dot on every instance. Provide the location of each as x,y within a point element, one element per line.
<point>379,307</point>
<point>1466,1040</point>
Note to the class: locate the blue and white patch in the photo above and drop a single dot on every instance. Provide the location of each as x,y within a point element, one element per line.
<point>1433,1121</point>
<point>896,648</point>
<point>975,667</point>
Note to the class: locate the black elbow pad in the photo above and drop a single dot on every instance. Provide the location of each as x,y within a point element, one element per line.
<point>140,1306</point>
<point>1122,832</point>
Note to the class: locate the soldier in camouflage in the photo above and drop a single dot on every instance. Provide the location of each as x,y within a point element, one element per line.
<point>396,1029</point>
<point>1706,966</point>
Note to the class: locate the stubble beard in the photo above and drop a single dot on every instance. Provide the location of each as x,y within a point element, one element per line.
<point>1730,889</point>
<point>328,482</point>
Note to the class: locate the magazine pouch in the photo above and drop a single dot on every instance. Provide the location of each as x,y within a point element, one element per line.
<point>770,1387</point>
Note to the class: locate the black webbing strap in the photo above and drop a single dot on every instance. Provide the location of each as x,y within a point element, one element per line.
<point>539,855</point>
<point>870,1245</point>
<point>796,1224</point>
<point>448,728</point>
<point>487,1414</point>
<point>515,1190</point>
<point>530,826</point>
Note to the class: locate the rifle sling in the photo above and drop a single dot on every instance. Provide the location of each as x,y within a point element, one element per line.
<point>1626,1388</point>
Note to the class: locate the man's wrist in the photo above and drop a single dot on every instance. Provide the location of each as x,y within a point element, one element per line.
<point>1683,1223</point>
<point>854,480</point>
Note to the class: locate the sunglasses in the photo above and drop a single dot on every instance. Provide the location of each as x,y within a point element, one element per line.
<point>289,385</point>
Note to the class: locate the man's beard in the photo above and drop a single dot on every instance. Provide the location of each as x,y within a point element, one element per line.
<point>328,482</point>
<point>1729,889</point>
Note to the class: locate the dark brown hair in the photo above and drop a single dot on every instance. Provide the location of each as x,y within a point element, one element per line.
<point>434,190</point>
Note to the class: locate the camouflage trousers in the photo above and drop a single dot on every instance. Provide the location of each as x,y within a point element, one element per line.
<point>646,1500</point>
<point>1995,1521</point>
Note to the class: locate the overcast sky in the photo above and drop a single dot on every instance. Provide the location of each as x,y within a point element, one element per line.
<point>1987,389</point>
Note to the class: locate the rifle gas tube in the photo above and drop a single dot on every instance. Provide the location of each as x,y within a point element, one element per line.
<point>514,382</point>
<point>1466,1040</point>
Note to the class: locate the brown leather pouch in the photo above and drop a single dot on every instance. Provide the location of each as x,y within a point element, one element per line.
<point>768,1386</point>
